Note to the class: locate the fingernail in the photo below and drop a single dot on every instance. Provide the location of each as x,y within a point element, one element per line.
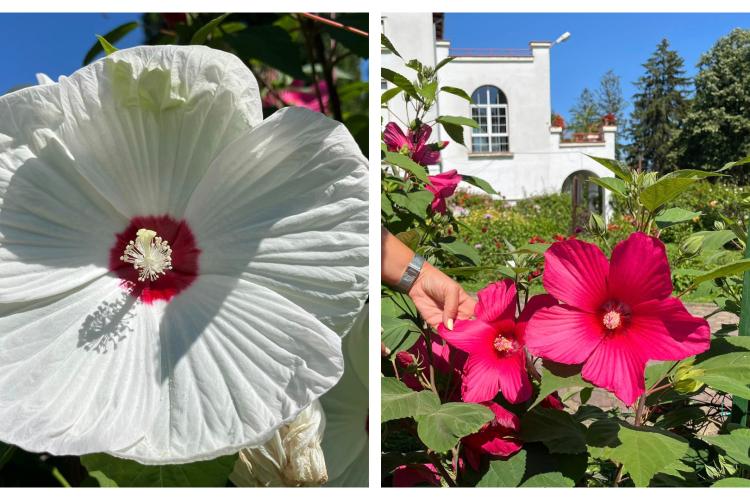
<point>449,324</point>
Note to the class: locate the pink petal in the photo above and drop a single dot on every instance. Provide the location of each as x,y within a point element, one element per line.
<point>426,156</point>
<point>481,379</point>
<point>445,183</point>
<point>664,330</point>
<point>502,446</point>
<point>563,333</point>
<point>406,476</point>
<point>534,304</point>
<point>472,336</point>
<point>504,418</point>
<point>576,272</point>
<point>639,270</point>
<point>496,301</point>
<point>617,367</point>
<point>514,380</point>
<point>420,136</point>
<point>438,204</point>
<point>394,137</point>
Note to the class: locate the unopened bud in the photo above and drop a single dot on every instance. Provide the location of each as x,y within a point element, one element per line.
<point>691,246</point>
<point>684,379</point>
<point>596,224</point>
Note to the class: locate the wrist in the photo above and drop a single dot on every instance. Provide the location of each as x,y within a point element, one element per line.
<point>411,274</point>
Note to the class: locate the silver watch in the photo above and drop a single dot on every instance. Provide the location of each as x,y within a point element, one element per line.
<point>411,274</point>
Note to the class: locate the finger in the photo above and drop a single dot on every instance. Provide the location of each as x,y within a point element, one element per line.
<point>450,307</point>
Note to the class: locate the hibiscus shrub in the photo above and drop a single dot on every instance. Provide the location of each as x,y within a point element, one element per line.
<point>602,379</point>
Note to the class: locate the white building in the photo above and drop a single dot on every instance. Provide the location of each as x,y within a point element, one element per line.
<point>516,149</point>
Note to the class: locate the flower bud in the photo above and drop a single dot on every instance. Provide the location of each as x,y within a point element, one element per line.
<point>691,246</point>
<point>596,224</point>
<point>684,383</point>
<point>292,457</point>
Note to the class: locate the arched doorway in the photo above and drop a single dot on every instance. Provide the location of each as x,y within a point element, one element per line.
<point>586,196</point>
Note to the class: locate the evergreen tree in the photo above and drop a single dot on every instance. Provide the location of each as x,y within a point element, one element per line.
<point>717,127</point>
<point>609,101</point>
<point>659,108</point>
<point>585,114</point>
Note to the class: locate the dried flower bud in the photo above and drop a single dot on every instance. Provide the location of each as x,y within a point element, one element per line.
<point>292,457</point>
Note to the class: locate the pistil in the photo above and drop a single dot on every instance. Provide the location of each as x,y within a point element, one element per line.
<point>150,255</point>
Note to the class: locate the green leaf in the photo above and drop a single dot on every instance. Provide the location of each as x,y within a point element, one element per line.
<point>727,166</point>
<point>712,241</point>
<point>457,92</point>
<point>457,120</point>
<point>106,46</point>
<point>737,267</point>
<point>645,451</point>
<point>727,372</point>
<point>398,334</point>
<point>385,204</point>
<point>119,472</point>
<point>443,63</point>
<point>480,183</point>
<point>428,91</point>
<point>461,249</point>
<point>687,173</point>
<point>558,430</point>
<point>673,216</point>
<point>732,482</point>
<point>557,376</point>
<point>441,428</point>
<point>269,44</point>
<point>407,164</point>
<point>613,166</point>
<point>505,473</point>
<point>613,184</point>
<point>453,125</point>
<point>548,480</point>
<point>385,42</point>
<point>736,444</point>
<point>398,401</point>
<point>399,81</point>
<point>202,34</point>
<point>389,94</point>
<point>415,202</point>
<point>115,35</point>
<point>665,190</point>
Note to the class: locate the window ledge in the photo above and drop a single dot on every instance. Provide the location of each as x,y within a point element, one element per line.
<point>498,154</point>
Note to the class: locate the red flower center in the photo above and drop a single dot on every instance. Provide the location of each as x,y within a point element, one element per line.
<point>180,271</point>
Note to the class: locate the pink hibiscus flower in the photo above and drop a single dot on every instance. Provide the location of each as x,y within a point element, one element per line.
<point>498,438</point>
<point>298,94</point>
<point>494,342</point>
<point>407,476</point>
<point>444,359</point>
<point>616,315</point>
<point>414,144</point>
<point>442,186</point>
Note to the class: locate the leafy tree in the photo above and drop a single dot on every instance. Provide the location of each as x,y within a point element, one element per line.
<point>609,101</point>
<point>585,113</point>
<point>717,127</point>
<point>659,109</point>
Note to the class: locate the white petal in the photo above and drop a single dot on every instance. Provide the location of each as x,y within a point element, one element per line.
<point>43,79</point>
<point>78,372</point>
<point>286,206</point>
<point>55,229</point>
<point>238,362</point>
<point>346,408</point>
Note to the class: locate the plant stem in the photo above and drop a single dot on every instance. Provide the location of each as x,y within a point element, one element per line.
<point>618,476</point>
<point>439,466</point>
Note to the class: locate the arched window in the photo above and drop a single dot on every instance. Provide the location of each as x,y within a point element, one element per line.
<point>489,108</point>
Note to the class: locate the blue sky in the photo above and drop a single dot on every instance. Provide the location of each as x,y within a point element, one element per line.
<point>54,44</point>
<point>598,42</point>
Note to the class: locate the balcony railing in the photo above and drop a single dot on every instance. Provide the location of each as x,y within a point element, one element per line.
<point>457,52</point>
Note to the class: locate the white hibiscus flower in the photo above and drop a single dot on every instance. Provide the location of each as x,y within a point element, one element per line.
<point>173,268</point>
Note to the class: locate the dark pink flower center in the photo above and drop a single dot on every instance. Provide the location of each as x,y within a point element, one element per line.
<point>179,275</point>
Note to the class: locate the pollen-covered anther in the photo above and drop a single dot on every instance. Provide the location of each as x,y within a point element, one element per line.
<point>503,344</point>
<point>150,255</point>
<point>612,320</point>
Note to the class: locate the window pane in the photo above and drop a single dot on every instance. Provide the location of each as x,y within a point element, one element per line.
<point>501,99</point>
<point>479,96</point>
<point>480,116</point>
<point>480,144</point>
<point>499,144</point>
<point>499,121</point>
<point>493,95</point>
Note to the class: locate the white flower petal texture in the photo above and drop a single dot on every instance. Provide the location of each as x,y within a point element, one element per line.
<point>267,225</point>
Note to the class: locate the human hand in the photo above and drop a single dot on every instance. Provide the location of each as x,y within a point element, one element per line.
<point>439,299</point>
